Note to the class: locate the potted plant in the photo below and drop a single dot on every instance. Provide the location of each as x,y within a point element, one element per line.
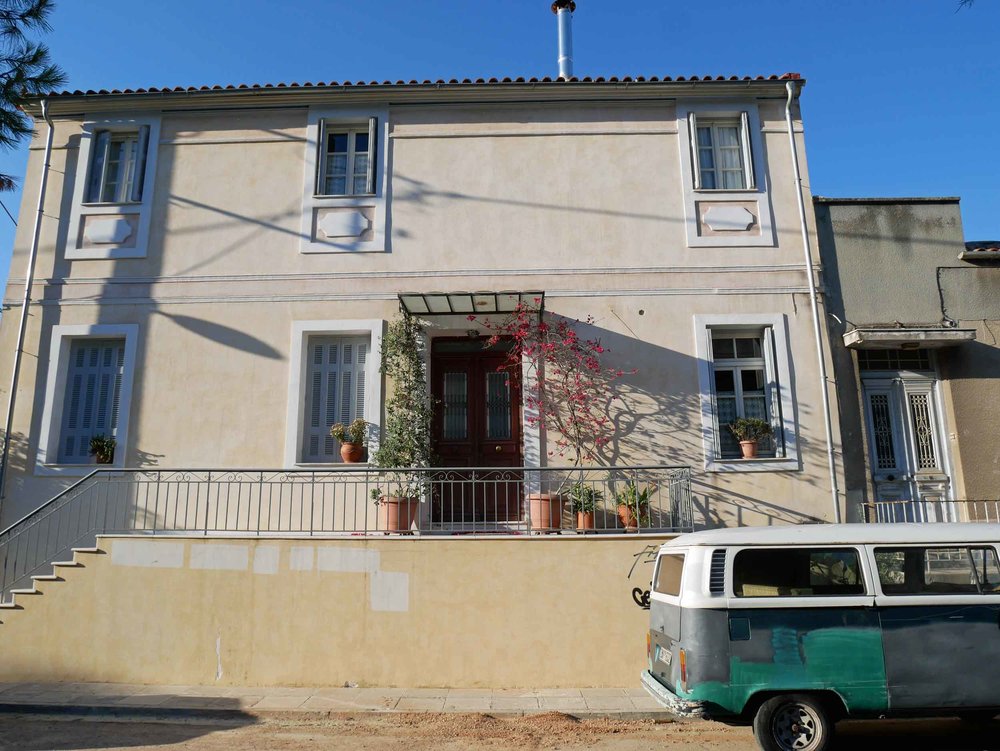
<point>352,439</point>
<point>583,502</point>
<point>102,448</point>
<point>567,391</point>
<point>633,505</point>
<point>748,431</point>
<point>406,439</point>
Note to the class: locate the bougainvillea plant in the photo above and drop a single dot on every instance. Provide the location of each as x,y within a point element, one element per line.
<point>568,391</point>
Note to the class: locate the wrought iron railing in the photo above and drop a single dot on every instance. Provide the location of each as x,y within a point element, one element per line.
<point>931,511</point>
<point>349,501</point>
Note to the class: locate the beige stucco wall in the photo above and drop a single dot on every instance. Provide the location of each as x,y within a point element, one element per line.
<point>421,612</point>
<point>582,200</point>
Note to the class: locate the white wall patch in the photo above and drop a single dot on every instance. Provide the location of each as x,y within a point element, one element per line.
<point>220,557</point>
<point>265,559</point>
<point>352,560</point>
<point>390,591</point>
<point>148,553</point>
<point>300,559</point>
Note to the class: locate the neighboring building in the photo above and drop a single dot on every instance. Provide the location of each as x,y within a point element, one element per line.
<point>915,326</point>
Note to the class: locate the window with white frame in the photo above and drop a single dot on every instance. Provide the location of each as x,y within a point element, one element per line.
<point>721,152</point>
<point>346,163</point>
<point>744,384</point>
<point>88,391</point>
<point>92,398</point>
<point>335,391</point>
<point>117,166</point>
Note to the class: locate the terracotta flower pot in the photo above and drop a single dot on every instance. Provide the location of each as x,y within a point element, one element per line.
<point>749,449</point>
<point>627,515</point>
<point>546,512</point>
<point>398,514</point>
<point>352,453</point>
<point>584,520</point>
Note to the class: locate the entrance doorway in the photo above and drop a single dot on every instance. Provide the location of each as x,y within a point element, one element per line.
<point>477,424</point>
<point>907,449</point>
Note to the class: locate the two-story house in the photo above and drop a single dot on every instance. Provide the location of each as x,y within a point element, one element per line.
<point>214,270</point>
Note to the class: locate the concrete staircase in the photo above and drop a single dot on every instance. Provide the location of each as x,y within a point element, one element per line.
<point>40,583</point>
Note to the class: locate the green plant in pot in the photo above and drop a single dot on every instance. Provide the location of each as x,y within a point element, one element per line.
<point>352,439</point>
<point>749,431</point>
<point>584,500</point>
<point>633,504</point>
<point>102,448</point>
<point>406,437</point>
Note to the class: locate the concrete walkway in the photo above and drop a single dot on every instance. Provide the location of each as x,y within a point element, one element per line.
<point>208,702</point>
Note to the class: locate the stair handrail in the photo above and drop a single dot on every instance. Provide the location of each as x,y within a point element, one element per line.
<point>53,499</point>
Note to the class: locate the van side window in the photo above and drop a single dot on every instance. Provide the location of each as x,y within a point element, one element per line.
<point>987,569</point>
<point>797,572</point>
<point>668,575</point>
<point>936,571</point>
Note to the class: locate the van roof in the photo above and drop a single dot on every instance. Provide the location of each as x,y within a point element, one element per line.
<point>849,534</point>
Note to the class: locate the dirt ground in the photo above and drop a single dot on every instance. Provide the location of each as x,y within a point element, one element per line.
<point>454,732</point>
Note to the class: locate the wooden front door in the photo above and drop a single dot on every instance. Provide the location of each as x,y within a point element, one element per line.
<point>477,424</point>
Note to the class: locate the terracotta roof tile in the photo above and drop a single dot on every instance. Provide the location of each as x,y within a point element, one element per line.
<point>439,82</point>
<point>983,246</point>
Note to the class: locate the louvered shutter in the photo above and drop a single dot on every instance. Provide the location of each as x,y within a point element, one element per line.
<point>139,177</point>
<point>372,153</point>
<point>319,188</point>
<point>695,163</point>
<point>335,392</point>
<point>91,402</point>
<point>747,151</point>
<point>773,393</point>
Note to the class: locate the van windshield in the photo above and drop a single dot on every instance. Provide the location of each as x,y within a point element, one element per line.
<point>797,572</point>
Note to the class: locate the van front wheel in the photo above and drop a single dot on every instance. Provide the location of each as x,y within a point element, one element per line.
<point>793,722</point>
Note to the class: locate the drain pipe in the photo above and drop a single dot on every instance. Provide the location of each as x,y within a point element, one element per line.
<point>792,88</point>
<point>564,17</point>
<point>25,301</point>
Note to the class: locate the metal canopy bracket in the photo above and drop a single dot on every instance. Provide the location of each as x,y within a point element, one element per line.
<point>467,303</point>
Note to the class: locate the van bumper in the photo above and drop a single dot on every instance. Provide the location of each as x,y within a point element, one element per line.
<point>670,700</point>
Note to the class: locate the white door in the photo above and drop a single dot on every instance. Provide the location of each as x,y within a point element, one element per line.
<point>907,450</point>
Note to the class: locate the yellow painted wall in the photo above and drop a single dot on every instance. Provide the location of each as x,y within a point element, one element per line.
<point>458,612</point>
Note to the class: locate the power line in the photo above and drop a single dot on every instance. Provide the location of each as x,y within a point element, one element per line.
<point>8,213</point>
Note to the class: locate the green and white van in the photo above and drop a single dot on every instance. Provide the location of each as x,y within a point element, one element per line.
<point>794,628</point>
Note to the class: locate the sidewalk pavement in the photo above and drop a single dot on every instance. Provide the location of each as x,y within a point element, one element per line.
<point>119,700</point>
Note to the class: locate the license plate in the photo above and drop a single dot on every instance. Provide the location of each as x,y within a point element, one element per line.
<point>663,655</point>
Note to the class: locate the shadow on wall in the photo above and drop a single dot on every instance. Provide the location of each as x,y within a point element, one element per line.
<point>658,420</point>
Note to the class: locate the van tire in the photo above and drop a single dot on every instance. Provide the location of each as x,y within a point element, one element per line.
<point>793,722</point>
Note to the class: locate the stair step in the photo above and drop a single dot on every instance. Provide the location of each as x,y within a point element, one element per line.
<point>46,578</point>
<point>31,591</point>
<point>87,550</point>
<point>67,564</point>
<point>10,606</point>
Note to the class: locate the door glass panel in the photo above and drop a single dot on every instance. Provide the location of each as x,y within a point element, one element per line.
<point>498,407</point>
<point>456,406</point>
<point>885,452</point>
<point>923,432</point>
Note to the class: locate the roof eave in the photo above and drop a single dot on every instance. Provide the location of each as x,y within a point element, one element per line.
<point>418,93</point>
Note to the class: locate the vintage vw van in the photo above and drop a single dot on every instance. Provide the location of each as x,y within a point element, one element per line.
<point>794,628</point>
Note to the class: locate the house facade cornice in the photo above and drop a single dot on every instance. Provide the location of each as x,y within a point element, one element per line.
<point>67,104</point>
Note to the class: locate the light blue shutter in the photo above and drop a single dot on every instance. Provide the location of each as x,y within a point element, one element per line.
<point>91,402</point>
<point>335,392</point>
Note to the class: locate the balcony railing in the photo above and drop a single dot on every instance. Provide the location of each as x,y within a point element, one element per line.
<point>345,501</point>
<point>931,511</point>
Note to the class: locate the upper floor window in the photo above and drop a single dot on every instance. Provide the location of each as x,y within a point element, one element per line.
<point>723,158</point>
<point>347,160</point>
<point>117,166</point>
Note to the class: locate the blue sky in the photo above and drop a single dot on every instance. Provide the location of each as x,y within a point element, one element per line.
<point>903,96</point>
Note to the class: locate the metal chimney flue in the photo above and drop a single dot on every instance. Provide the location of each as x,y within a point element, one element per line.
<point>564,16</point>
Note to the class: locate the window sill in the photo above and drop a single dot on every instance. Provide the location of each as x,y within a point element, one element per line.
<point>71,470</point>
<point>727,191</point>
<point>783,464</point>
<point>109,204</point>
<point>326,196</point>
